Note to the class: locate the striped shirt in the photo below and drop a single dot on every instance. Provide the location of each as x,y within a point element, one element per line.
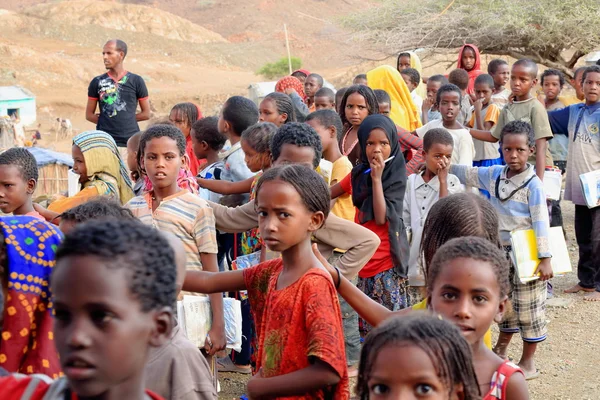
<point>185,215</point>
<point>526,209</point>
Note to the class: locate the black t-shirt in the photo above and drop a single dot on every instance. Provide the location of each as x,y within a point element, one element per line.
<point>118,104</point>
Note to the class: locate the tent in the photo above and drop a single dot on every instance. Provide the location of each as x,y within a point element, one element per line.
<point>53,170</point>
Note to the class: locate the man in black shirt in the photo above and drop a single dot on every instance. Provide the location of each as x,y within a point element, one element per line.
<point>117,93</point>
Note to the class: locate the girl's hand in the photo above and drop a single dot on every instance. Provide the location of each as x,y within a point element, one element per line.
<point>326,265</point>
<point>377,166</point>
<point>215,340</point>
<point>254,385</point>
<point>443,168</point>
<point>544,269</point>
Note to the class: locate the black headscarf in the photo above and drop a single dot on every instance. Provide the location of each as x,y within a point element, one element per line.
<point>393,181</point>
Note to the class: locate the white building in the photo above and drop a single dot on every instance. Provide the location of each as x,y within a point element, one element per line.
<point>17,101</point>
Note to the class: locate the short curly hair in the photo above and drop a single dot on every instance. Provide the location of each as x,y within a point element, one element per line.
<point>131,245</point>
<point>21,158</point>
<point>163,130</point>
<point>298,134</point>
<point>207,130</point>
<point>519,128</point>
<point>99,208</point>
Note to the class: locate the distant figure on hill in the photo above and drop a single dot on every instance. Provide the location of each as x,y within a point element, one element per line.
<point>117,93</point>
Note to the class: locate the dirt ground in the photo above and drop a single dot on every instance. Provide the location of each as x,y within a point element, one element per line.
<point>568,360</point>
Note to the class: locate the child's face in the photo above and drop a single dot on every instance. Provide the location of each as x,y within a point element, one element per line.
<point>411,86</point>
<point>324,103</point>
<point>578,85</point>
<point>432,89</point>
<point>468,58</point>
<point>100,331</point>
<point>180,121</point>
<point>419,378</point>
<point>483,91</point>
<point>551,87</point>
<point>516,151</point>
<point>591,87</point>
<point>403,63</point>
<point>294,154</point>
<point>521,81</point>
<point>268,113</point>
<point>283,219</point>
<point>359,81</point>
<point>254,160</point>
<point>162,162</point>
<point>449,106</point>
<point>356,109</point>
<point>436,153</point>
<point>311,86</point>
<point>384,109</point>
<point>79,166</point>
<point>328,135</point>
<point>378,145</point>
<point>466,293</point>
<point>15,191</point>
<point>502,75</point>
<point>200,148</point>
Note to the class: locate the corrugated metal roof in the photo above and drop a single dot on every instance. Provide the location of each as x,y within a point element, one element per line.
<point>15,93</point>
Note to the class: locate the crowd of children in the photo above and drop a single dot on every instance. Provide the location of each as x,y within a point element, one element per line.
<point>394,195</point>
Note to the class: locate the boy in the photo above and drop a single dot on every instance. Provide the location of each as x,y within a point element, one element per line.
<point>460,78</point>
<point>237,114</point>
<point>412,78</point>
<point>313,83</point>
<point>360,79</point>
<point>484,117</point>
<point>207,142</point>
<point>169,208</point>
<point>325,99</point>
<point>582,122</point>
<point>18,179</point>
<point>500,72</point>
<point>577,83</point>
<point>449,98</point>
<point>525,108</point>
<point>429,112</point>
<point>133,147</point>
<point>113,291</point>
<point>552,82</point>
<point>328,125</point>
<point>518,196</point>
<point>410,145</point>
<point>424,189</point>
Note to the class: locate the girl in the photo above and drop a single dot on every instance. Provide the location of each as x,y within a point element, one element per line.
<point>470,60</point>
<point>410,59</point>
<point>256,142</point>
<point>358,102</point>
<point>295,89</point>
<point>377,190</point>
<point>453,217</point>
<point>435,359</point>
<point>101,171</point>
<point>277,108</point>
<point>293,301</point>
<point>27,251</point>
<point>183,116</point>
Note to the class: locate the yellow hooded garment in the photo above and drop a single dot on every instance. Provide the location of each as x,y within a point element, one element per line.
<point>404,113</point>
<point>415,62</point>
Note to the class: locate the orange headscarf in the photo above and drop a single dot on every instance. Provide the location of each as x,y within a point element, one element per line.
<point>293,83</point>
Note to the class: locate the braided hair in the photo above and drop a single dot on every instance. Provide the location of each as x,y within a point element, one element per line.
<point>365,92</point>
<point>128,244</point>
<point>476,248</point>
<point>284,105</point>
<point>308,183</point>
<point>457,215</point>
<point>189,111</point>
<point>443,343</point>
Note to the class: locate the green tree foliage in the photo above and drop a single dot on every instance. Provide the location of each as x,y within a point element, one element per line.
<point>279,68</point>
<point>542,30</point>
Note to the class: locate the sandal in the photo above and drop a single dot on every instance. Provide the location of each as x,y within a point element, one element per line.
<point>226,365</point>
<point>532,376</point>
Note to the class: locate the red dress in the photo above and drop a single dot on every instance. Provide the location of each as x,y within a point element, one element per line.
<point>297,323</point>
